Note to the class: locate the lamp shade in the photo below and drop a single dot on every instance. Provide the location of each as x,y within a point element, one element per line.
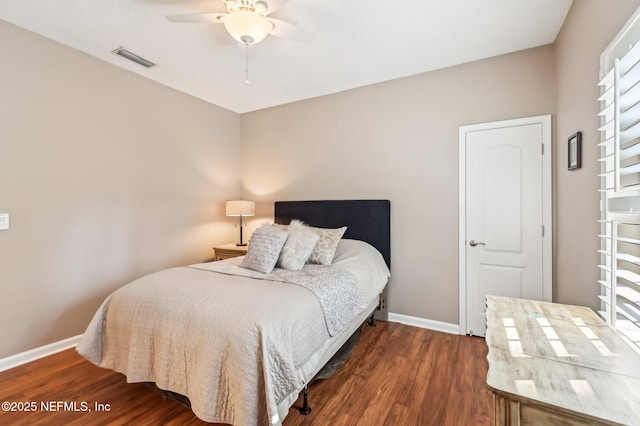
<point>241,208</point>
<point>247,27</point>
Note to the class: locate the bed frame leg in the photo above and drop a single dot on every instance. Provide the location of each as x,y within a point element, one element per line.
<point>371,320</point>
<point>305,409</point>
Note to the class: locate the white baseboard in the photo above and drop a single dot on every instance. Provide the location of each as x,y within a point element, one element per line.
<point>37,353</point>
<point>425,323</point>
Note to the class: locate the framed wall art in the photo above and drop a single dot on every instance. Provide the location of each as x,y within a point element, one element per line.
<point>575,151</point>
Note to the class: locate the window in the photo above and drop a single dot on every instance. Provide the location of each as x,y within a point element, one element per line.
<point>620,183</point>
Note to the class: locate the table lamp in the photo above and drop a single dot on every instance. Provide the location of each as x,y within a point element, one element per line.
<point>241,208</point>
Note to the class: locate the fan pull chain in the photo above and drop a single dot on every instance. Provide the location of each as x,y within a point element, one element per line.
<point>246,70</point>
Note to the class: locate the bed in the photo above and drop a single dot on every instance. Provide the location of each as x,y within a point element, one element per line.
<point>239,344</point>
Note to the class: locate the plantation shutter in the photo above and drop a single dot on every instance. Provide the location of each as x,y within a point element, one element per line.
<point>620,187</point>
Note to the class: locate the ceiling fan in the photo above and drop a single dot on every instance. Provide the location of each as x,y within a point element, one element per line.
<point>245,20</point>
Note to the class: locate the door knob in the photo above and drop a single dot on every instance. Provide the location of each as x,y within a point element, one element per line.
<point>474,243</point>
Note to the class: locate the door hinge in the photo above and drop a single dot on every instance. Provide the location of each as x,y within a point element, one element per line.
<point>543,230</point>
<point>542,149</point>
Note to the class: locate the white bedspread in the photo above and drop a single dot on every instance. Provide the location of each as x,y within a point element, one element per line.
<point>337,289</point>
<point>239,348</point>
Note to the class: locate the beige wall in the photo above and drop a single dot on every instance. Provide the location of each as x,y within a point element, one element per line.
<point>396,140</point>
<point>588,30</point>
<point>107,176</point>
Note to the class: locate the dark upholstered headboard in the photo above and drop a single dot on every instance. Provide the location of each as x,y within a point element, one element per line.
<point>366,220</point>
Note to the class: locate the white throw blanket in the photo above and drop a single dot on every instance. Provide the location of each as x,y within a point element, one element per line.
<point>337,289</point>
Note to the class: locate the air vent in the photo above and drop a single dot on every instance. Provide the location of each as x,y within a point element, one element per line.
<point>133,57</point>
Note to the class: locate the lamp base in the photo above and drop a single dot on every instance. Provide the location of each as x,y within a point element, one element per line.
<point>241,245</point>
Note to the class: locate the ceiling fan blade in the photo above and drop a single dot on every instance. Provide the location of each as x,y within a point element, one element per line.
<point>198,18</point>
<point>274,5</point>
<point>289,31</point>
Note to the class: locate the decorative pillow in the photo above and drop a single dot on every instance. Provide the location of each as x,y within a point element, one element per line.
<point>264,248</point>
<point>301,242</point>
<point>325,249</point>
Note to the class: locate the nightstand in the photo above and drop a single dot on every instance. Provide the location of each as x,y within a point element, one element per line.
<point>227,251</point>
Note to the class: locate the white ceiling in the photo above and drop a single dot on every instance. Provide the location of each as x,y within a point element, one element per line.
<point>352,43</point>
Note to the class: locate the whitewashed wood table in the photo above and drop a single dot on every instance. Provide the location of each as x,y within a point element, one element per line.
<point>553,364</point>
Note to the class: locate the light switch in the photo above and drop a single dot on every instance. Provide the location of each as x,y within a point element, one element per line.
<point>4,221</point>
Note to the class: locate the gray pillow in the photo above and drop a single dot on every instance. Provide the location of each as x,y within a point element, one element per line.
<point>264,248</point>
<point>325,249</point>
<point>301,242</point>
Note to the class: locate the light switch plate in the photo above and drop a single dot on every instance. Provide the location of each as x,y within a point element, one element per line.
<point>4,220</point>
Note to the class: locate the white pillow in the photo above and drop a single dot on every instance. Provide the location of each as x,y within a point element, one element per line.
<point>264,248</point>
<point>366,263</point>
<point>301,242</point>
<point>325,249</point>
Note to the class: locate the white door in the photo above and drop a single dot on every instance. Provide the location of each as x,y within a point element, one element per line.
<point>505,215</point>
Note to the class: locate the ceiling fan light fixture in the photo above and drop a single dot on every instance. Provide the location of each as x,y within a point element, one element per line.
<point>247,27</point>
<point>261,7</point>
<point>231,5</point>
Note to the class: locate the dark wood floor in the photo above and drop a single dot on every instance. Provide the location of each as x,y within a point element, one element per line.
<point>398,375</point>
